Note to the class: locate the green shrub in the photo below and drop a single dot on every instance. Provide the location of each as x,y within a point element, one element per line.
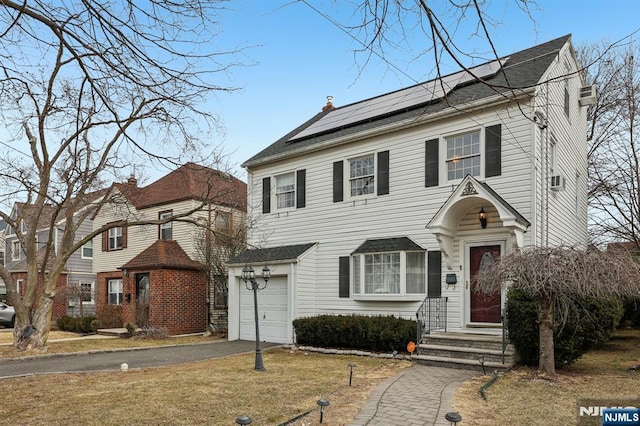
<point>64,323</point>
<point>589,322</point>
<point>95,325</point>
<point>631,312</point>
<point>75,324</point>
<point>131,329</point>
<point>377,333</point>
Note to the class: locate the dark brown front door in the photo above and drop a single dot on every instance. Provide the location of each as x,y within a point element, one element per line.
<point>483,307</point>
<point>142,300</point>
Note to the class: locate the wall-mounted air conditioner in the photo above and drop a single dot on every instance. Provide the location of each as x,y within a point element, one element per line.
<point>557,183</point>
<point>587,95</point>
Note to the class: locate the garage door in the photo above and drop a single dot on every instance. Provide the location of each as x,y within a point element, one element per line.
<point>272,312</point>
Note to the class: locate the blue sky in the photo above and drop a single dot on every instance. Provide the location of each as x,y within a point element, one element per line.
<point>295,58</point>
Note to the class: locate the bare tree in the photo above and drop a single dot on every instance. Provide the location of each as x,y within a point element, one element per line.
<point>555,277</point>
<point>614,142</point>
<point>89,90</point>
<point>222,236</point>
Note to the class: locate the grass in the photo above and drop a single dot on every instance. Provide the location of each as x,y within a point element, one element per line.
<point>524,397</point>
<point>208,392</point>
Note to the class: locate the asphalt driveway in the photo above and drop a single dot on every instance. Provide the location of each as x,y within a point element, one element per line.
<point>135,358</point>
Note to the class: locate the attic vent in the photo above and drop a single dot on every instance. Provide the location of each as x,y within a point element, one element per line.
<point>557,183</point>
<point>587,95</point>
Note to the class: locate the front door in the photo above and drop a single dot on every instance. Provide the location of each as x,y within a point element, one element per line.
<point>483,308</point>
<point>142,300</point>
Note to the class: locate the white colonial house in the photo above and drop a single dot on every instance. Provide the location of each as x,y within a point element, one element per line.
<point>382,205</point>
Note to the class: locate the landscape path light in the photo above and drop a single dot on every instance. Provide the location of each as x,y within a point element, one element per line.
<point>250,282</point>
<point>322,403</point>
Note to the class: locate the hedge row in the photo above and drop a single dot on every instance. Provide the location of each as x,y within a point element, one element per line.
<point>589,322</point>
<point>377,333</point>
<point>78,324</point>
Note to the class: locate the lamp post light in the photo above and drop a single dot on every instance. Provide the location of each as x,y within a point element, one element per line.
<point>249,278</point>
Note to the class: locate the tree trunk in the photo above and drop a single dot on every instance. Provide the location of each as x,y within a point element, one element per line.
<point>546,325</point>
<point>33,335</point>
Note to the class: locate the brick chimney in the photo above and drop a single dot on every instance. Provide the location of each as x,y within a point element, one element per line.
<point>329,106</point>
<point>132,181</point>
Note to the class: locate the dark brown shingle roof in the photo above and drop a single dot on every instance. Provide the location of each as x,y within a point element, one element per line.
<point>163,254</point>
<point>190,181</point>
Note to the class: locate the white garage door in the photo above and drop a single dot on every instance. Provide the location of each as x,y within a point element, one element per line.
<point>272,312</point>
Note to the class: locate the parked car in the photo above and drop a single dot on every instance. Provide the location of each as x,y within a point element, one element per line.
<point>7,315</point>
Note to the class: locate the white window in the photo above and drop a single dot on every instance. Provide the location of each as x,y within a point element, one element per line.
<point>223,222</point>
<point>15,250</point>
<point>362,175</point>
<point>463,155</point>
<point>393,273</point>
<point>87,250</point>
<point>286,190</point>
<point>20,287</point>
<point>114,292</point>
<point>115,238</point>
<point>87,292</point>
<point>166,229</point>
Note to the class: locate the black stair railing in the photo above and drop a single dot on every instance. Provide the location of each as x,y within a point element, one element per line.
<point>431,316</point>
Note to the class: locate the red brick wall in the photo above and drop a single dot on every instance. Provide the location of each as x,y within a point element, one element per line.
<point>177,298</point>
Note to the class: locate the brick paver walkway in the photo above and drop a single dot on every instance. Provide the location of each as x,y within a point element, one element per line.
<point>419,395</point>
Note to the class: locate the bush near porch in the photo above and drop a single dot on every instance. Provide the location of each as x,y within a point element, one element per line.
<point>589,322</point>
<point>371,333</point>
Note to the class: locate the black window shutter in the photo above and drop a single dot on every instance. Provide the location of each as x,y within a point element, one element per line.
<point>301,177</point>
<point>266,195</point>
<point>344,277</point>
<point>431,162</point>
<point>493,150</point>
<point>338,187</point>
<point>383,172</point>
<point>434,274</point>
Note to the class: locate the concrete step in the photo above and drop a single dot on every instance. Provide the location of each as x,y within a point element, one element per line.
<point>466,352</point>
<point>465,340</point>
<point>463,364</point>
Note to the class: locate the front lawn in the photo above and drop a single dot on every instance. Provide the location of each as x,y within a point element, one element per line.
<point>523,397</point>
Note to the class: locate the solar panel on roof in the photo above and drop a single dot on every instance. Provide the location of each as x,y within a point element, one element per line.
<point>396,101</point>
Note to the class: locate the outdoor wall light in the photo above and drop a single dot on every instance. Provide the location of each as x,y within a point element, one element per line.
<point>453,418</point>
<point>322,403</point>
<point>483,217</point>
<point>249,278</point>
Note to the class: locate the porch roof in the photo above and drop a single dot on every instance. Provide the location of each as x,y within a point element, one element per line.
<point>271,254</point>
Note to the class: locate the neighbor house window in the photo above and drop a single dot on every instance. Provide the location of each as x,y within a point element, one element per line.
<point>1,258</point>
<point>393,273</point>
<point>165,230</point>
<point>362,175</point>
<point>223,222</point>
<point>115,238</point>
<point>15,250</point>
<point>87,292</point>
<point>286,190</point>
<point>20,287</point>
<point>114,288</point>
<point>463,155</point>
<point>87,250</point>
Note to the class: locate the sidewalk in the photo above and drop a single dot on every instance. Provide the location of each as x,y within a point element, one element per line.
<point>419,395</point>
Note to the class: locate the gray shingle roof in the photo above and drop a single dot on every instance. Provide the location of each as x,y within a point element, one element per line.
<point>270,254</point>
<point>521,70</point>
<point>387,245</point>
